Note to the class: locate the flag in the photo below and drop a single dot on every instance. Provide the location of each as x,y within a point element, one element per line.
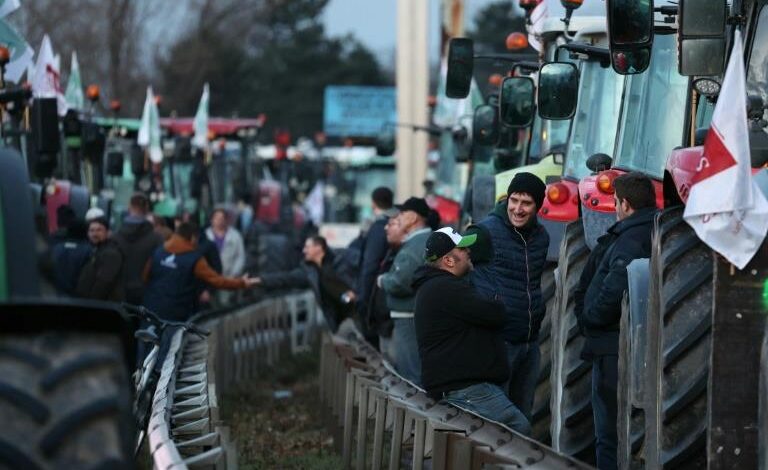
<point>47,80</point>
<point>200,140</point>
<point>448,111</point>
<point>21,52</point>
<point>538,15</point>
<point>149,130</point>
<point>74,93</point>
<point>725,207</point>
<point>7,6</point>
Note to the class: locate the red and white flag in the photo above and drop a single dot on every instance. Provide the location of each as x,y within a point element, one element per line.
<point>46,82</point>
<point>725,207</point>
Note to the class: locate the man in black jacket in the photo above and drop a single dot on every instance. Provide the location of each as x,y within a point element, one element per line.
<point>372,251</point>
<point>100,278</point>
<point>333,294</point>
<point>137,240</point>
<point>463,359</point>
<point>598,301</point>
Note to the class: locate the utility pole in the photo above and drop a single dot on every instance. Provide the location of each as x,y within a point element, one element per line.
<point>412,77</point>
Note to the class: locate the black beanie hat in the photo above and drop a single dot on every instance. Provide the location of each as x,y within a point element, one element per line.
<point>530,184</point>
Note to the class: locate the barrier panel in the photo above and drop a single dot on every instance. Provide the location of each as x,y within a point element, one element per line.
<point>185,430</point>
<point>359,388</point>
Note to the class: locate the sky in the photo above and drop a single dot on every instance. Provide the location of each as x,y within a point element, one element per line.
<point>373,22</point>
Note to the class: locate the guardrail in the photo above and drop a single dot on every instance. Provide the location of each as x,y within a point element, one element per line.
<point>184,429</point>
<point>358,386</point>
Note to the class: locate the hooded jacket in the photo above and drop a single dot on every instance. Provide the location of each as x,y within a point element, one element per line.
<point>513,275</point>
<point>100,277</point>
<point>604,280</point>
<point>459,333</point>
<point>137,240</point>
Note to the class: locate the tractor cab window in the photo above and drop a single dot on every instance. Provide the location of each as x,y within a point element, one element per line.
<point>596,119</point>
<point>653,112</point>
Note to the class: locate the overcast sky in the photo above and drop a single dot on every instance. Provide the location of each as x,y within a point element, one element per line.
<point>373,22</point>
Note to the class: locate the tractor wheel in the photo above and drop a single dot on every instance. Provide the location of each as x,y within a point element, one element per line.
<point>571,380</point>
<point>64,402</point>
<point>540,415</point>
<point>631,416</point>
<point>763,410</point>
<point>680,313</point>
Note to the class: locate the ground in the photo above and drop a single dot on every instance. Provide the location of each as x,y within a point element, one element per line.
<point>275,431</point>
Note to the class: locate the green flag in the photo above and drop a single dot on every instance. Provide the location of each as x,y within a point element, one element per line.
<point>21,52</point>
<point>74,93</point>
<point>200,140</point>
<point>7,6</point>
<point>149,132</point>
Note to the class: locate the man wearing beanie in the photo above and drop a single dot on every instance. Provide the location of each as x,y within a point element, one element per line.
<point>511,272</point>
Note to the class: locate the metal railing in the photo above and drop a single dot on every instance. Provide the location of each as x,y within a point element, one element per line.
<point>359,388</point>
<point>185,430</point>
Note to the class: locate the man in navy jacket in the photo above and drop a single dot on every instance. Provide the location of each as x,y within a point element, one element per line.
<point>517,251</point>
<point>598,301</point>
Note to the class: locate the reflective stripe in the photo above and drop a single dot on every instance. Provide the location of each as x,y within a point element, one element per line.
<point>401,314</point>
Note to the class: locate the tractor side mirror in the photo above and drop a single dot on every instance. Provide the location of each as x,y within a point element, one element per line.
<point>485,125</point>
<point>558,90</point>
<point>701,37</point>
<point>630,33</point>
<point>461,52</point>
<point>385,142</point>
<point>516,105</point>
<point>599,162</point>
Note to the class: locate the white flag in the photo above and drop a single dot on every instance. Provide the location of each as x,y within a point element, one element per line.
<point>200,140</point>
<point>47,80</point>
<point>74,93</point>
<point>149,131</point>
<point>538,15</point>
<point>726,209</point>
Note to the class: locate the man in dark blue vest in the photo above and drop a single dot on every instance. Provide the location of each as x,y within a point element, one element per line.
<point>516,246</point>
<point>172,278</point>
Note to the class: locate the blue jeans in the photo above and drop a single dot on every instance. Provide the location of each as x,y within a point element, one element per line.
<point>406,350</point>
<point>524,360</point>
<point>605,380</point>
<point>489,401</point>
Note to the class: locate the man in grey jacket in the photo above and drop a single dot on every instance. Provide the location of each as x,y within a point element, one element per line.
<point>397,283</point>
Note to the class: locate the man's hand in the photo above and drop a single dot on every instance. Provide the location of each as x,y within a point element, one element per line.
<point>251,281</point>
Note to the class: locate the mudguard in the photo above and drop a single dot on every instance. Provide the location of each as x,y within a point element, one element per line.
<point>17,225</point>
<point>638,277</point>
<point>30,316</point>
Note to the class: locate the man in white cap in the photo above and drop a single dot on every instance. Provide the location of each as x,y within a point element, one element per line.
<point>463,358</point>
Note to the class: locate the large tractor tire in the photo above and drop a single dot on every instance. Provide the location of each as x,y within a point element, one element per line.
<point>540,415</point>
<point>572,427</point>
<point>680,323</point>
<point>631,415</point>
<point>64,402</point>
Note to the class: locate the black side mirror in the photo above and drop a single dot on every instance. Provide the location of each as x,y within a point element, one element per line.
<point>385,143</point>
<point>701,37</point>
<point>516,105</point>
<point>599,162</point>
<point>630,31</point>
<point>558,90</point>
<point>460,66</point>
<point>485,125</point>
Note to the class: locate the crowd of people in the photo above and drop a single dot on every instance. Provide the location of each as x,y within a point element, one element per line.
<point>458,315</point>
